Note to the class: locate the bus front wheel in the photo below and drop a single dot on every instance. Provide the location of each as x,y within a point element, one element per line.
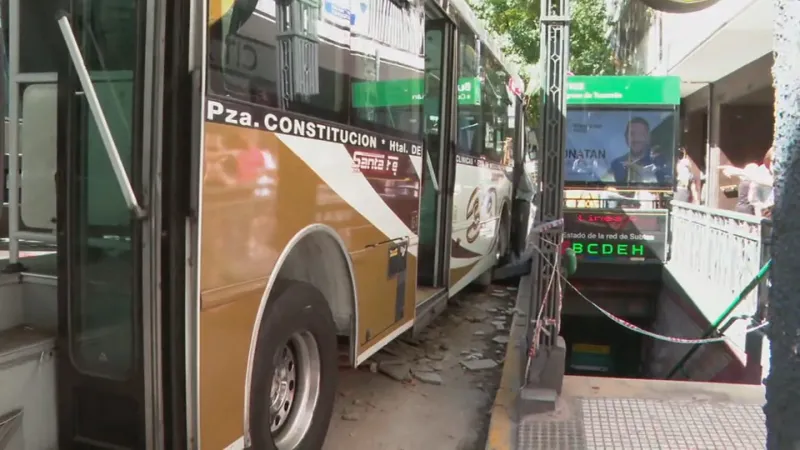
<point>295,370</point>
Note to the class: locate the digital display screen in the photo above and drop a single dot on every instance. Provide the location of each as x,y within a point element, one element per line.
<point>640,222</point>
<point>610,236</point>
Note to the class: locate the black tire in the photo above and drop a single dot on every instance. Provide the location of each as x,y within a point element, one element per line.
<point>293,307</point>
<point>503,239</point>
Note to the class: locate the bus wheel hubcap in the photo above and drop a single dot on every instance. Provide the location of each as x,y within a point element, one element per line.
<point>295,389</point>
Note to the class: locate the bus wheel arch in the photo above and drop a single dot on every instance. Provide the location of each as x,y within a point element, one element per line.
<point>316,255</point>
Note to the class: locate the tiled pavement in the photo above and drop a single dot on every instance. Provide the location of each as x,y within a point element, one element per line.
<point>644,423</point>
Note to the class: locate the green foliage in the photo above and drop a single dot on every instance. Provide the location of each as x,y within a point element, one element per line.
<point>590,53</point>
<point>518,20</point>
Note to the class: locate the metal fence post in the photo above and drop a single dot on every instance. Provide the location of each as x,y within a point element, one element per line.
<point>554,45</point>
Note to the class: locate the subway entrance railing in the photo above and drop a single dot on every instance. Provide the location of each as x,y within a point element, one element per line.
<point>713,255</point>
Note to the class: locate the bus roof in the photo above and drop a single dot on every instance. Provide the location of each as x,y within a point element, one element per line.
<point>623,90</point>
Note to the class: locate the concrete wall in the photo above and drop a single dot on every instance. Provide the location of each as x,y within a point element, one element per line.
<point>730,122</point>
<point>740,131</point>
<point>745,135</point>
<point>654,43</point>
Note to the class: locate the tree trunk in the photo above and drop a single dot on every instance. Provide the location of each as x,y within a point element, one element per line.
<point>783,383</point>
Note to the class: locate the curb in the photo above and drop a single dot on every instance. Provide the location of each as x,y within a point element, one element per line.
<point>501,426</point>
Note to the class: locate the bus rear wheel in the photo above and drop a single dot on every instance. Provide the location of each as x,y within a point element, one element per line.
<point>295,370</point>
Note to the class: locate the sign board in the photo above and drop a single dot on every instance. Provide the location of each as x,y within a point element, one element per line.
<point>408,92</point>
<point>623,90</point>
<point>604,235</point>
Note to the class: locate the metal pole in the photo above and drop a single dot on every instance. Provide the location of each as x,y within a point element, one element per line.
<point>12,147</point>
<point>99,117</point>
<point>555,19</point>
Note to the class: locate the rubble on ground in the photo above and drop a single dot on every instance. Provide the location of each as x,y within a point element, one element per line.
<point>424,358</point>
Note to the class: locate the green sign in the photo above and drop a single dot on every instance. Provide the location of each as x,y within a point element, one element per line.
<point>469,91</point>
<point>621,249</point>
<point>623,90</point>
<point>409,92</point>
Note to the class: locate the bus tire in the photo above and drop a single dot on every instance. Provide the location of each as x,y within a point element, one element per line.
<point>296,348</point>
<point>503,242</point>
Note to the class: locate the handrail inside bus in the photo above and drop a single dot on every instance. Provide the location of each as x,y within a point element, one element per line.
<point>429,163</point>
<point>99,116</point>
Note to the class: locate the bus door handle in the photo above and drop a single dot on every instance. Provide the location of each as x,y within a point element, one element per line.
<point>99,117</point>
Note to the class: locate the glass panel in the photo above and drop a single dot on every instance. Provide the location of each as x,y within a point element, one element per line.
<point>495,106</point>
<point>363,70</point>
<point>620,147</point>
<point>469,141</point>
<point>434,50</point>
<point>104,258</point>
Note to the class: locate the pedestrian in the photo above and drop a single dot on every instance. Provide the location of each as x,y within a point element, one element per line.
<point>755,188</point>
<point>743,199</point>
<point>761,191</point>
<point>685,186</point>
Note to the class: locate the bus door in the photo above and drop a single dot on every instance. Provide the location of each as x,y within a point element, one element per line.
<point>434,226</point>
<point>107,226</point>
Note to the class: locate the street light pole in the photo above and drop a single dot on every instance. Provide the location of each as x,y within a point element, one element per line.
<point>783,383</point>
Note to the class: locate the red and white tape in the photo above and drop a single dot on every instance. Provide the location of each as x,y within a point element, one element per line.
<point>660,337</point>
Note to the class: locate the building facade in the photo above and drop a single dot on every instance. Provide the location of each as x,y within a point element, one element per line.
<point>722,51</point>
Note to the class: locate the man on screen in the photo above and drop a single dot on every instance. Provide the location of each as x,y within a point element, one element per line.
<point>642,164</point>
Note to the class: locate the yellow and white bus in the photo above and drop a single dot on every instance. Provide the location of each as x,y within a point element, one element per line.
<point>230,199</point>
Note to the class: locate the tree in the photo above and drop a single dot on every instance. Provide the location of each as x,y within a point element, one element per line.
<point>783,383</point>
<point>518,21</point>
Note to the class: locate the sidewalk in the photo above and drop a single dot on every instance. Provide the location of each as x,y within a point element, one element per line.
<point>619,414</point>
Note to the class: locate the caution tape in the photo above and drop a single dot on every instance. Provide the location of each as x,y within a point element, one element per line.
<point>634,328</point>
<point>543,301</point>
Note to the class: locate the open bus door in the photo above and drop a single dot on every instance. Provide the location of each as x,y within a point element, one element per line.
<point>109,330</point>
<point>438,167</point>
<point>86,85</point>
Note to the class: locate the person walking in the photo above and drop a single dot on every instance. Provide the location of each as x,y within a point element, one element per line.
<point>685,187</point>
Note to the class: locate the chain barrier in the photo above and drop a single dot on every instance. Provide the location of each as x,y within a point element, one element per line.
<point>634,328</point>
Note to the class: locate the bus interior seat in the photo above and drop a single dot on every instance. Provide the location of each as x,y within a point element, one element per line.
<point>38,147</point>
<point>37,139</point>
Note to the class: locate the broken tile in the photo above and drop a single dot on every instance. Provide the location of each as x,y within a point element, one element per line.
<point>428,377</point>
<point>500,339</point>
<point>397,372</point>
<point>479,364</point>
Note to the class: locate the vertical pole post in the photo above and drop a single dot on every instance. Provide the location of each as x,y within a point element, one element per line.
<point>783,383</point>
<point>555,20</point>
<point>12,141</point>
<point>555,16</point>
<point>754,342</point>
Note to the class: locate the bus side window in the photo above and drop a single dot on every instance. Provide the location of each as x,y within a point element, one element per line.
<point>494,107</point>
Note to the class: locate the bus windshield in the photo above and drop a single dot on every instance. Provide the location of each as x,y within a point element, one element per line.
<point>623,148</point>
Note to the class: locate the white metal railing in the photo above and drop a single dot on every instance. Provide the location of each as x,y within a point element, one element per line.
<point>714,254</point>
